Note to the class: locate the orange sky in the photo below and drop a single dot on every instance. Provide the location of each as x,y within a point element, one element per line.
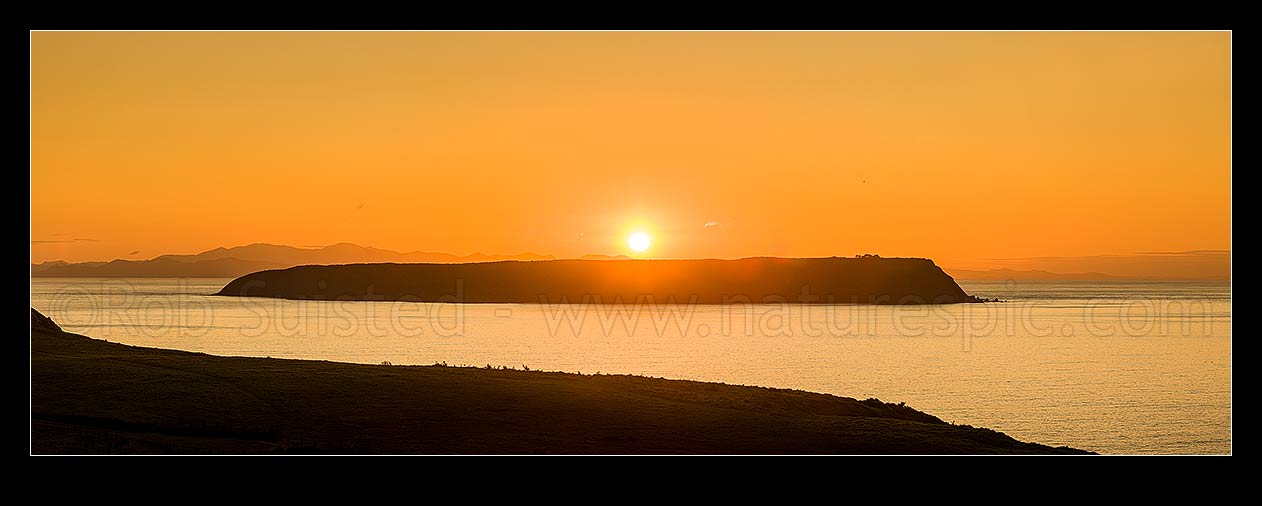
<point>942,145</point>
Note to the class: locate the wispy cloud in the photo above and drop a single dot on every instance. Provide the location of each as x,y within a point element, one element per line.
<point>1195,252</point>
<point>1190,253</point>
<point>59,241</point>
<point>710,224</point>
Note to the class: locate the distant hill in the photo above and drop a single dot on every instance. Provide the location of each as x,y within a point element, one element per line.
<point>1203,265</point>
<point>1027,275</point>
<point>156,268</point>
<point>604,257</point>
<point>233,262</point>
<point>759,279</point>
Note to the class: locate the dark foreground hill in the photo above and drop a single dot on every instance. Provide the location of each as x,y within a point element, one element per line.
<point>775,280</point>
<point>92,396</point>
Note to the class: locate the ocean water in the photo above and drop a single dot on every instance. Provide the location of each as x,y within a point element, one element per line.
<point>1114,367</point>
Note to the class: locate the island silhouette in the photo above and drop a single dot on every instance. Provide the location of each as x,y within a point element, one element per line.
<point>861,280</point>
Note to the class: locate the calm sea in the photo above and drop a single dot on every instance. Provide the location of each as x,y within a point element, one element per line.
<point>1113,367</point>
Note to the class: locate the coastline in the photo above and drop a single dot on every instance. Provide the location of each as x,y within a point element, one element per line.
<point>93,396</point>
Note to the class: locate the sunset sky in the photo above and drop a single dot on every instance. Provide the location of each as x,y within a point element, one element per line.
<point>942,144</point>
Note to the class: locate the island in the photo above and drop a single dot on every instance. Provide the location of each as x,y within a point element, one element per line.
<point>90,396</point>
<point>835,280</point>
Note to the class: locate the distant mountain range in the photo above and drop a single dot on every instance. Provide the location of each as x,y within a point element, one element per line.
<point>240,260</point>
<point>1205,265</point>
<point>604,257</point>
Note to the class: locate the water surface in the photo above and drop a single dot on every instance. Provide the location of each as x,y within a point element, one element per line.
<point>1113,367</point>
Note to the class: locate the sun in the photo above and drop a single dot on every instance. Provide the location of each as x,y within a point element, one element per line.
<point>639,241</point>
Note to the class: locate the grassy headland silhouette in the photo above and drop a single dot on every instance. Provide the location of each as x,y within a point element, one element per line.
<point>868,280</point>
<point>93,396</point>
